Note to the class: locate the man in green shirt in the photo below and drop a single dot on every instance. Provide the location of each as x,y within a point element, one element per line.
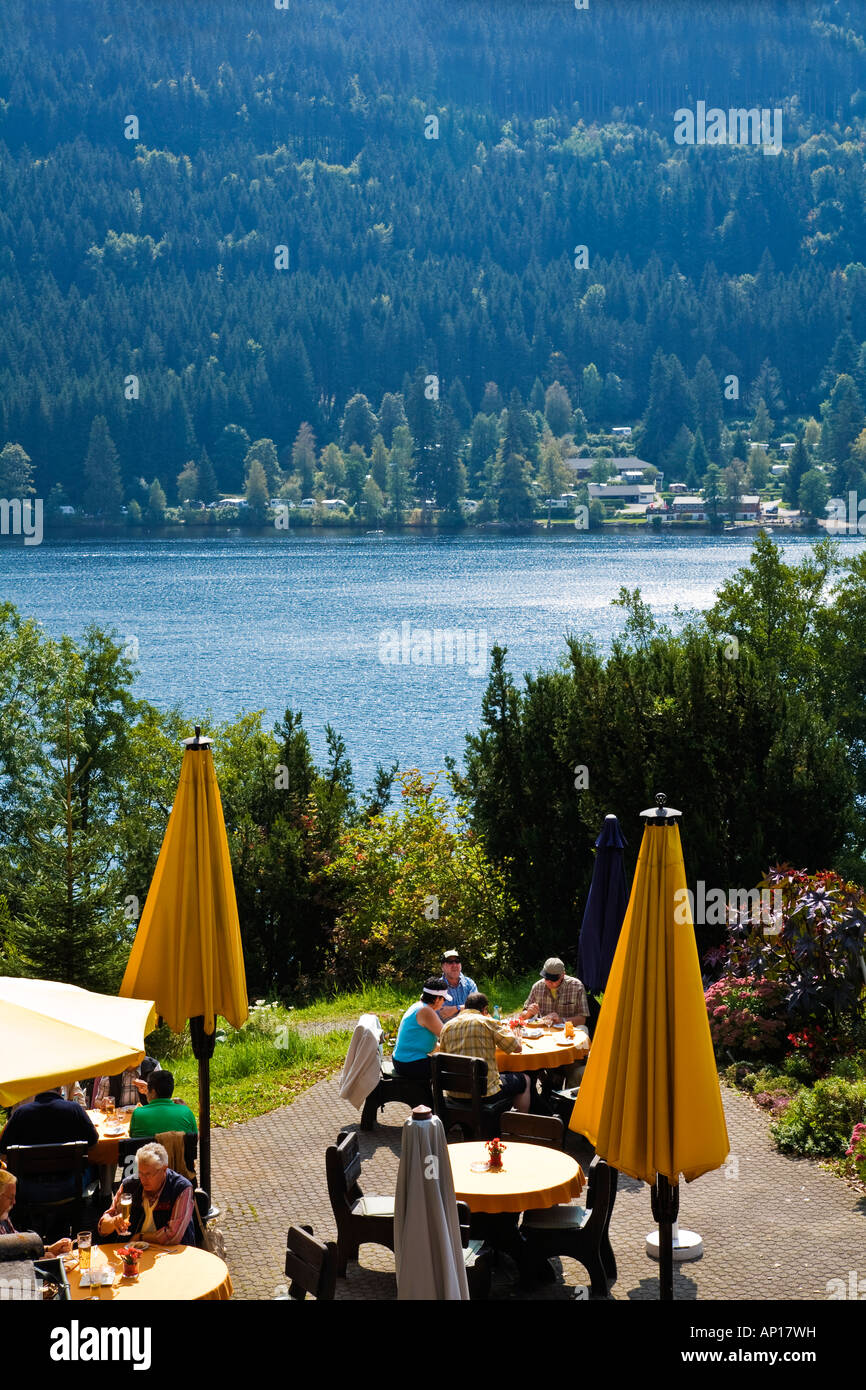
<point>161,1112</point>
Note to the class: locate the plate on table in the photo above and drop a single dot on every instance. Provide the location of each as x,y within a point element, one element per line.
<point>565,1042</point>
<point>114,1131</point>
<point>533,1032</point>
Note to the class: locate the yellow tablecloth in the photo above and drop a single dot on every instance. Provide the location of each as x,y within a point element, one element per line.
<point>549,1051</point>
<point>105,1150</point>
<point>531,1176</point>
<point>179,1272</point>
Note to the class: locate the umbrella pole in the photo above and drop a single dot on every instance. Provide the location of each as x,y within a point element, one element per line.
<point>203,1045</point>
<point>665,1207</point>
<point>204,1122</point>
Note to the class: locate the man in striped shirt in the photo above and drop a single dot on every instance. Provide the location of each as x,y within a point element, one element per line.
<point>473,1033</point>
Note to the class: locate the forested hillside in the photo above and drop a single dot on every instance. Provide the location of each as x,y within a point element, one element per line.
<point>153,257</point>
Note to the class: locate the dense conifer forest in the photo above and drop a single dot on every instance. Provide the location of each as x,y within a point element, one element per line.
<point>154,157</point>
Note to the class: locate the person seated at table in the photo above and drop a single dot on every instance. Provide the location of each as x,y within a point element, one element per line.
<point>48,1119</point>
<point>71,1090</point>
<point>473,1033</point>
<point>419,1029</point>
<point>557,996</point>
<point>162,1203</point>
<point>127,1089</point>
<point>562,999</point>
<point>161,1113</point>
<point>8,1193</point>
<point>459,985</point>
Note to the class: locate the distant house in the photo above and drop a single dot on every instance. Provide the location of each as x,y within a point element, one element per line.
<point>786,448</point>
<point>632,492</point>
<point>690,508</point>
<point>334,504</point>
<point>678,487</point>
<point>778,470</point>
<point>624,430</point>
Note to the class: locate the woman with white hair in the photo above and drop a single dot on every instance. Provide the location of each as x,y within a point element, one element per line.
<point>162,1203</point>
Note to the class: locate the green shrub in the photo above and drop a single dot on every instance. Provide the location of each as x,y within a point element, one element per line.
<point>852,1068</point>
<point>799,1067</point>
<point>819,1122</point>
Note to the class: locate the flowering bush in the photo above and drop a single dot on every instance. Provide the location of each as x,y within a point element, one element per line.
<point>775,1101</point>
<point>812,948</point>
<point>744,1015</point>
<point>816,1046</point>
<point>856,1151</point>
<point>818,1122</point>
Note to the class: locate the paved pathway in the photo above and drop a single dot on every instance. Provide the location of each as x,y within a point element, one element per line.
<point>773,1227</point>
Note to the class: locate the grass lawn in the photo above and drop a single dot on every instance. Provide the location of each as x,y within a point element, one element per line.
<point>273,1058</point>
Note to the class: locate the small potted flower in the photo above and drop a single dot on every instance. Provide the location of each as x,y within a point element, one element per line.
<point>129,1257</point>
<point>495,1149</point>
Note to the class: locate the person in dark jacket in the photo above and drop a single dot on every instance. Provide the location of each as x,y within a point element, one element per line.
<point>48,1119</point>
<point>162,1203</point>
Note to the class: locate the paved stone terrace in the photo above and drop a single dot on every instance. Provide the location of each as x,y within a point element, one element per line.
<point>775,1228</point>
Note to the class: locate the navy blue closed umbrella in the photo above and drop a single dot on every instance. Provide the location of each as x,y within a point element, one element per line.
<point>604,911</point>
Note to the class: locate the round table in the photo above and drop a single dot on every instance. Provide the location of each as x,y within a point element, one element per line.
<point>105,1150</point>
<point>165,1272</point>
<point>550,1051</point>
<point>532,1176</point>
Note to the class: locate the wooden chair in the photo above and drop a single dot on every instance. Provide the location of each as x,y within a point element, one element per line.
<point>359,1218</point>
<point>408,1090</point>
<point>66,1163</point>
<point>581,1233</point>
<point>469,1075</point>
<point>127,1148</point>
<point>477,1256</point>
<point>311,1265</point>
<point>532,1129</point>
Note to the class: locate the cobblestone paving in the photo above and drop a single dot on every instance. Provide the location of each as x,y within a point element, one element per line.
<point>774,1228</point>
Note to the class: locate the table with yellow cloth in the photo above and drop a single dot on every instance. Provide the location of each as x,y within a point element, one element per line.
<point>531,1177</point>
<point>179,1272</point>
<point>553,1051</point>
<point>105,1151</point>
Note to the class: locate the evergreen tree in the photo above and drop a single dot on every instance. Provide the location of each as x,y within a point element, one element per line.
<point>257,493</point>
<point>558,409</point>
<point>491,402</point>
<point>514,495</point>
<point>799,464</point>
<point>359,424</point>
<point>399,473</point>
<point>304,458</point>
<point>814,494</point>
<point>391,416</point>
<point>536,397</point>
<point>843,421</point>
<point>357,469</point>
<point>103,494</point>
<point>207,483</point>
<point>590,393</point>
<point>459,402</point>
<point>762,425</point>
<point>379,463</point>
<point>759,469</point>
<point>229,453</point>
<point>712,491</point>
<point>698,460</point>
<point>450,473</point>
<point>374,502</point>
<point>578,426</point>
<point>483,444</point>
<point>333,467</point>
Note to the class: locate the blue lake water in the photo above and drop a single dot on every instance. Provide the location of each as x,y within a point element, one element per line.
<point>248,622</point>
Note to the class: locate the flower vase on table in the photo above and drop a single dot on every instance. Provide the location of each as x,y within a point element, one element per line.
<point>495,1149</point>
<point>129,1258</point>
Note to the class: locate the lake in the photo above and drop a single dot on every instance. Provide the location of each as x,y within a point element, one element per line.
<point>343,627</point>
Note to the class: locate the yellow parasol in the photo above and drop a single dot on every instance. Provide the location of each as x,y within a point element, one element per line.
<point>51,1033</point>
<point>649,1101</point>
<point>187,952</point>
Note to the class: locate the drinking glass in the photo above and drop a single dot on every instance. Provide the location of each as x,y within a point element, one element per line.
<point>109,1107</point>
<point>125,1205</point>
<point>84,1241</point>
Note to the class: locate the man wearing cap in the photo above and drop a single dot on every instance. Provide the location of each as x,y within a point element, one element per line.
<point>562,999</point>
<point>459,985</point>
<point>557,996</point>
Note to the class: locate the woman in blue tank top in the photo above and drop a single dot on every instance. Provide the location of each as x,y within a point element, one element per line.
<point>420,1026</point>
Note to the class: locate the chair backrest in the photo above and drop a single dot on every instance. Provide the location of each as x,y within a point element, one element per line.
<point>311,1264</point>
<point>24,1159</point>
<point>464,1217</point>
<point>467,1075</point>
<point>343,1169</point>
<point>533,1129</point>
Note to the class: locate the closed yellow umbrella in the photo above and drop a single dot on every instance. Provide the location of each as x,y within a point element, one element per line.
<point>649,1101</point>
<point>187,951</point>
<point>51,1033</point>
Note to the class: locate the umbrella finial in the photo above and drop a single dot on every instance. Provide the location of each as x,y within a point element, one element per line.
<point>660,814</point>
<point>197,741</point>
